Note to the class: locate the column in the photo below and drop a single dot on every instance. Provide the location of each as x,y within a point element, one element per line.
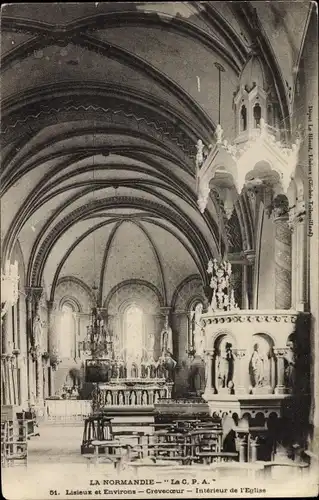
<point>253,448</point>
<point>37,293</point>
<point>245,301</point>
<point>241,442</point>
<point>280,354</point>
<point>4,334</point>
<point>251,276</point>
<point>208,375</point>
<point>240,371</point>
<point>301,270</point>
<point>53,341</point>
<point>283,263</point>
<point>34,353</point>
<point>28,339</point>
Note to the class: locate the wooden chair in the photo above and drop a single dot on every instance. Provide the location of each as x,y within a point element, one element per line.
<point>16,451</point>
<point>12,449</point>
<point>96,427</point>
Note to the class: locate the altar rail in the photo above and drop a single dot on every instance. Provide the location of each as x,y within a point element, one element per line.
<point>67,410</point>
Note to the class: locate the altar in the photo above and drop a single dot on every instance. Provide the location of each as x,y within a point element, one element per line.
<point>131,392</point>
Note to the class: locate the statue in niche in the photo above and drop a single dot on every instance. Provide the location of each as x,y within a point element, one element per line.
<point>166,337</point>
<point>257,367</point>
<point>144,398</point>
<point>133,398</point>
<point>290,369</point>
<point>121,399</point>
<point>37,332</point>
<point>109,398</point>
<point>226,366</point>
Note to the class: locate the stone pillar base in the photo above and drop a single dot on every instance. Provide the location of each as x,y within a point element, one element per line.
<point>280,389</point>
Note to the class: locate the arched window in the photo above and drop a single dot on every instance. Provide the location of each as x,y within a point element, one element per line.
<point>134,329</point>
<point>257,115</point>
<point>243,118</point>
<point>67,331</point>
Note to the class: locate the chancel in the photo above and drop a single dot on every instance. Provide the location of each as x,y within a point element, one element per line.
<point>159,230</point>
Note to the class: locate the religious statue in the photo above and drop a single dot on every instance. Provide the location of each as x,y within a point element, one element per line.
<point>133,398</point>
<point>109,398</point>
<point>257,367</point>
<point>219,134</point>
<point>37,332</point>
<point>290,369</point>
<point>121,399</point>
<point>166,337</point>
<point>225,366</point>
<point>144,398</point>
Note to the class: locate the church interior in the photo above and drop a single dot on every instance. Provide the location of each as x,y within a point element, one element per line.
<point>159,232</point>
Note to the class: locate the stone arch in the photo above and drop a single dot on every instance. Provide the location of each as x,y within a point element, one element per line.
<point>72,301</point>
<point>186,291</point>
<point>77,290</point>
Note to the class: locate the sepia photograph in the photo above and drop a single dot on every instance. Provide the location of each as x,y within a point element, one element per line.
<point>159,250</point>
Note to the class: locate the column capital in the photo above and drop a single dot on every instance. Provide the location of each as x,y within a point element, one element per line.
<point>34,293</point>
<point>165,310</point>
<point>250,256</point>
<point>280,352</point>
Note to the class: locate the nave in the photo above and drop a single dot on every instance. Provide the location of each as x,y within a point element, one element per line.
<point>159,236</point>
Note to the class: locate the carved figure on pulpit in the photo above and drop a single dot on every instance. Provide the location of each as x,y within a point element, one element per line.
<point>226,366</point>
<point>109,398</point>
<point>121,399</point>
<point>155,397</point>
<point>144,398</point>
<point>133,398</point>
<point>290,368</point>
<point>257,367</point>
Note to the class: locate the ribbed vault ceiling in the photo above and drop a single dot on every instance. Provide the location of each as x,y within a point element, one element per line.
<point>102,105</point>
